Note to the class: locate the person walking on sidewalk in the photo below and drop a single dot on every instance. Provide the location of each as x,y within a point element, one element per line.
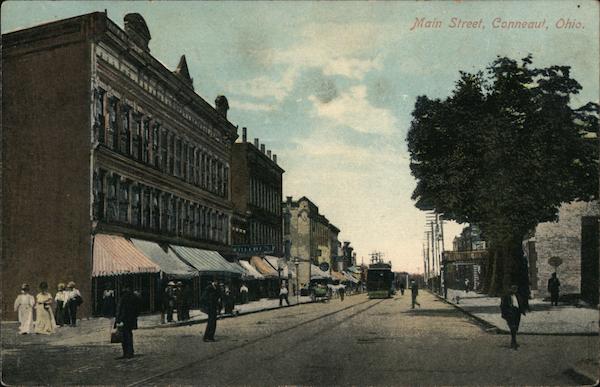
<point>512,308</point>
<point>59,298</point>
<point>126,320</point>
<point>211,302</point>
<point>44,318</point>
<point>414,289</point>
<point>24,307</point>
<point>402,287</point>
<point>74,300</point>
<point>554,289</point>
<point>244,293</point>
<point>283,295</point>
<point>342,292</point>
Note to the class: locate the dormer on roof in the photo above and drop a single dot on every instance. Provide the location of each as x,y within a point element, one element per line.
<point>183,73</point>
<point>137,30</point>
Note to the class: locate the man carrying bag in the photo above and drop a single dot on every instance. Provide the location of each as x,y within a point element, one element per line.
<point>126,321</point>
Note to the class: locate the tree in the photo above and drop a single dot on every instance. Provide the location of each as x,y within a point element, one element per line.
<point>503,151</point>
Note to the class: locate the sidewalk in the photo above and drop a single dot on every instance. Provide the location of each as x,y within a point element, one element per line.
<point>152,321</point>
<point>543,319</point>
<point>197,317</point>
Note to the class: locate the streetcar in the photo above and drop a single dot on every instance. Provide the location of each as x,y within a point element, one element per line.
<point>380,280</point>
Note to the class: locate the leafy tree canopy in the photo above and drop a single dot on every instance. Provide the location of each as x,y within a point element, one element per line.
<point>505,149</point>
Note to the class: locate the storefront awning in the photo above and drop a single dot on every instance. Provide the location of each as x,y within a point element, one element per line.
<point>206,261</point>
<point>279,263</point>
<point>350,278</point>
<point>317,273</point>
<point>354,269</point>
<point>263,267</point>
<point>251,272</point>
<point>169,264</point>
<point>338,276</point>
<point>115,255</point>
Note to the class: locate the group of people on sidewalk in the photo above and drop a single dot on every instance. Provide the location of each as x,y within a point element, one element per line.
<point>177,297</point>
<point>43,313</point>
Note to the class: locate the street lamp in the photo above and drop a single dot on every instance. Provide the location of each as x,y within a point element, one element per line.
<point>297,264</point>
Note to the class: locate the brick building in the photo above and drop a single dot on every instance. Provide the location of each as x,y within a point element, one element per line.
<point>256,186</point>
<point>101,138</point>
<point>310,236</point>
<point>574,239</point>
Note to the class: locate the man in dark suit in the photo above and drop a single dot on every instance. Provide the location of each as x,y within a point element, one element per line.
<point>554,289</point>
<point>414,289</point>
<point>512,307</point>
<point>126,321</point>
<point>212,301</point>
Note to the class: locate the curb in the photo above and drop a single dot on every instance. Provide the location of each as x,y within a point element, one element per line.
<point>220,317</point>
<point>585,374</point>
<point>489,327</point>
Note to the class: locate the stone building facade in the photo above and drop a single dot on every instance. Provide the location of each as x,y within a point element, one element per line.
<point>256,185</point>
<point>311,238</point>
<point>100,137</point>
<point>574,239</point>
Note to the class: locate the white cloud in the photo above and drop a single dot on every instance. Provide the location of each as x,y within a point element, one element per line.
<point>264,87</point>
<point>347,50</point>
<point>240,105</point>
<point>352,109</point>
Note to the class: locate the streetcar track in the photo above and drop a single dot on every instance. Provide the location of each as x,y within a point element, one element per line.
<point>257,340</point>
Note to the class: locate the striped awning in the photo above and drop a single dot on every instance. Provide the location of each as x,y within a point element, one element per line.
<point>206,261</point>
<point>350,277</point>
<point>338,276</point>
<point>317,273</point>
<point>251,272</point>
<point>169,264</point>
<point>115,255</point>
<point>263,267</point>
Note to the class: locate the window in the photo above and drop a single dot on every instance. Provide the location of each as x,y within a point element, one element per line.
<point>178,150</point>
<point>164,224</point>
<point>99,194</point>
<point>171,214</point>
<point>113,211</point>
<point>192,164</point>
<point>171,153</point>
<point>136,136</point>
<point>198,174</point>
<point>146,141</point>
<point>125,130</point>
<point>155,211</point>
<point>198,230</point>
<point>99,123</point>
<point>164,139</point>
<point>112,139</point>
<point>185,161</point>
<point>155,138</point>
<point>136,212</point>
<point>226,183</point>
<point>147,210</point>
<point>124,201</point>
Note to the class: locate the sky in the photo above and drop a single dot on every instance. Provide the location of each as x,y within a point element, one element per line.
<point>329,86</point>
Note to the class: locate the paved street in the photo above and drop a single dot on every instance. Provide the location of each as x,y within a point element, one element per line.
<point>358,341</point>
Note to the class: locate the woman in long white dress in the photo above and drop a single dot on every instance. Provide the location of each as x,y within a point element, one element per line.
<point>24,306</point>
<point>44,318</point>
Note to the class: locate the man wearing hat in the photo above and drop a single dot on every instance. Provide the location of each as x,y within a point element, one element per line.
<point>169,301</point>
<point>24,306</point>
<point>73,297</point>
<point>212,299</point>
<point>126,320</point>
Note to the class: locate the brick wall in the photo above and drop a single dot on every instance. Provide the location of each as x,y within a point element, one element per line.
<point>562,239</point>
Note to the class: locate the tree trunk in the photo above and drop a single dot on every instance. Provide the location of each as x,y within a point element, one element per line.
<point>496,271</point>
<point>515,266</point>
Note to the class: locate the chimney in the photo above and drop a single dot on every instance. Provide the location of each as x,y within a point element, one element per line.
<point>222,105</point>
<point>274,158</point>
<point>269,153</point>
<point>244,134</point>
<point>262,148</point>
<point>256,143</point>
